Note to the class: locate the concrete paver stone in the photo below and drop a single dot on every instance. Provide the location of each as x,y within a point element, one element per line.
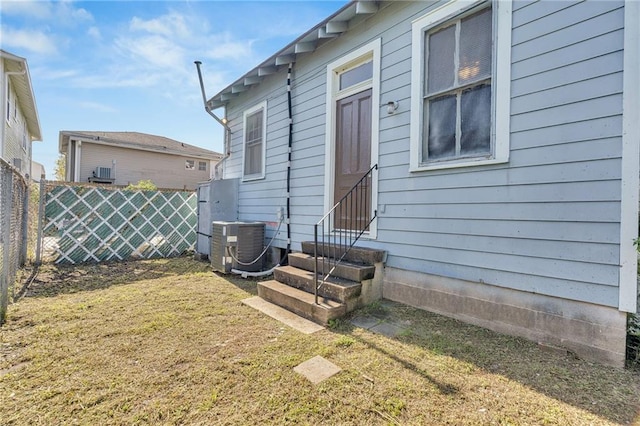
<point>387,329</point>
<point>317,369</point>
<point>365,321</point>
<point>294,321</point>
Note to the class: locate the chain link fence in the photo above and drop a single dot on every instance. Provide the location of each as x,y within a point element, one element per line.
<point>14,230</point>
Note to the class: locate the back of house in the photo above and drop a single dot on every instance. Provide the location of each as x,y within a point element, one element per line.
<point>124,158</point>
<point>505,136</point>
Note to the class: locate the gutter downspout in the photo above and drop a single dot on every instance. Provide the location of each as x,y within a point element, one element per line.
<point>223,122</point>
<point>289,151</point>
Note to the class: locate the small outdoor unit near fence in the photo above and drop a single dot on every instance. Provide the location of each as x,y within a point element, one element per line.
<point>103,172</point>
<point>237,245</point>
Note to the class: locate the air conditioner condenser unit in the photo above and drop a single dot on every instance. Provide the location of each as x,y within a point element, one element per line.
<point>237,245</point>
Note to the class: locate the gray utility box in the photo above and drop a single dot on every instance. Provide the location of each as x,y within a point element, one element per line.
<point>237,245</point>
<point>217,201</point>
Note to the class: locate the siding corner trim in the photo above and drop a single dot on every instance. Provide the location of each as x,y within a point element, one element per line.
<point>630,181</point>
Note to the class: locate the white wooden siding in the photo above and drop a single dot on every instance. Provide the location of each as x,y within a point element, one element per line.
<point>546,222</point>
<point>15,131</point>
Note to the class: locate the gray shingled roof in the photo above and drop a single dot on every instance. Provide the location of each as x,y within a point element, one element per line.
<point>135,140</point>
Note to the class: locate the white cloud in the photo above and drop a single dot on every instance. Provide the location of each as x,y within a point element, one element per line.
<point>172,25</point>
<point>128,78</point>
<point>53,74</point>
<point>97,107</point>
<point>29,8</point>
<point>66,11</point>
<point>154,52</point>
<point>33,41</point>
<point>225,47</point>
<point>58,12</point>
<point>94,32</point>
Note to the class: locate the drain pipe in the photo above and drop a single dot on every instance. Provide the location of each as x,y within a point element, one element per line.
<point>289,151</point>
<point>223,122</point>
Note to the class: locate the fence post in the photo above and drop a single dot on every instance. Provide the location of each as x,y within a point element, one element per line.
<point>41,199</point>
<point>25,224</point>
<point>6,201</point>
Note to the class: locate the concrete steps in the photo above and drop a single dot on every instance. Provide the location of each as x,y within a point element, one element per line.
<point>354,282</point>
<point>301,302</point>
<point>337,289</point>
<point>345,269</point>
<point>358,255</point>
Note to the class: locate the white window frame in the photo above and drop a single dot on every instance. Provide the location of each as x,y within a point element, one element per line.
<point>370,51</point>
<point>8,99</point>
<point>189,165</point>
<point>261,106</point>
<point>200,164</point>
<point>25,132</point>
<point>500,82</point>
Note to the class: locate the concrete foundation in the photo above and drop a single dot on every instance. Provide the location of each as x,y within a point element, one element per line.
<point>592,332</point>
<point>372,288</point>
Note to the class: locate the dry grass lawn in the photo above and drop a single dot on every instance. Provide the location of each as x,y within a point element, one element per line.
<point>169,342</point>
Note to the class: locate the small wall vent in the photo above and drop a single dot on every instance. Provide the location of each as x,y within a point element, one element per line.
<point>237,245</point>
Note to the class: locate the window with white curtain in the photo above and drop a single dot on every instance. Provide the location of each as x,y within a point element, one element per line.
<point>460,86</point>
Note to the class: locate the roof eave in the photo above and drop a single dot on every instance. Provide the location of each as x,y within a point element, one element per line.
<point>26,94</point>
<point>330,28</point>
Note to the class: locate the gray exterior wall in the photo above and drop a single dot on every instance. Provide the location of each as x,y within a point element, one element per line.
<point>547,222</point>
<point>17,140</point>
<point>131,166</point>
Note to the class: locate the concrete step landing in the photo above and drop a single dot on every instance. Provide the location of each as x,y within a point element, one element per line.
<point>347,270</point>
<point>334,288</point>
<point>301,302</point>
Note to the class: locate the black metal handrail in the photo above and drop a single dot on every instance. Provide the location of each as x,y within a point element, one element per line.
<point>341,227</point>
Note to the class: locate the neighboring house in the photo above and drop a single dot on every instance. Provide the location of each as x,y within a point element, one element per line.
<point>37,171</point>
<point>506,137</point>
<point>20,123</point>
<point>123,158</point>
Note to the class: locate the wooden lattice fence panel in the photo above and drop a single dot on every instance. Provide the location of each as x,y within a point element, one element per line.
<point>97,224</point>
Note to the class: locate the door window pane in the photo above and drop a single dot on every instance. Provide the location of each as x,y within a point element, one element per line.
<point>442,127</point>
<point>356,75</point>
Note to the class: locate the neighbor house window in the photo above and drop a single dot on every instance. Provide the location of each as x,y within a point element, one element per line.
<point>190,165</point>
<point>460,79</point>
<point>202,166</point>
<point>255,131</point>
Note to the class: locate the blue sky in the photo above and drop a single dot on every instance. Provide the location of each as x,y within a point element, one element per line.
<point>128,65</point>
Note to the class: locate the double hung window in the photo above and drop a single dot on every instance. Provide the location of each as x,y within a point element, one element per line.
<point>460,86</point>
<point>254,142</point>
<point>457,98</point>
